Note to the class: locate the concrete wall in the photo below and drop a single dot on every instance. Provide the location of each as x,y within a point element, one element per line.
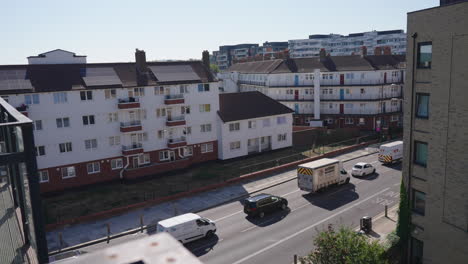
<point>444,226</point>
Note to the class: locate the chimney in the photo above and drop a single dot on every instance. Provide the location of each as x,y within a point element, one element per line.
<point>206,58</point>
<point>140,59</point>
<point>378,51</point>
<point>323,55</point>
<point>363,51</point>
<point>387,50</point>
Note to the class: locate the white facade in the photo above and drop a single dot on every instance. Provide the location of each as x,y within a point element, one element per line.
<point>244,137</point>
<point>339,45</point>
<point>57,57</point>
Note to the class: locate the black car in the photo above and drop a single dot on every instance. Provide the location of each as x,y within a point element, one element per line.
<point>263,203</point>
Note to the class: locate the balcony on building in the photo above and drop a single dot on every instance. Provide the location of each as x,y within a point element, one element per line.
<point>23,109</point>
<point>129,103</point>
<point>132,149</point>
<point>130,126</point>
<point>172,99</point>
<point>176,142</point>
<point>175,121</point>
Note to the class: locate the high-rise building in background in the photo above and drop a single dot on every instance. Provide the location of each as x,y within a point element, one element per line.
<point>436,133</point>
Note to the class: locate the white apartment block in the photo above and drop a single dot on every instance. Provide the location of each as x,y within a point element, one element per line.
<point>363,91</point>
<point>374,42</point>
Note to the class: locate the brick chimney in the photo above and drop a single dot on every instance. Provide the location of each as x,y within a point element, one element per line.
<point>363,51</point>
<point>206,58</point>
<point>140,59</point>
<point>387,50</point>
<point>378,51</point>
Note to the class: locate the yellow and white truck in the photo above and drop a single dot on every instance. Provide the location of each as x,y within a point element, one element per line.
<point>320,174</point>
<point>391,152</point>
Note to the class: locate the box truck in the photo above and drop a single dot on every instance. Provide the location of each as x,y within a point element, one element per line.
<point>187,227</point>
<point>316,175</point>
<point>391,152</point>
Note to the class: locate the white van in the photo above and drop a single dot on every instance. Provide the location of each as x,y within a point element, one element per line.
<point>391,152</point>
<point>187,227</point>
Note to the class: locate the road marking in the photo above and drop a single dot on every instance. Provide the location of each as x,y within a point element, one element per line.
<point>291,192</point>
<point>307,228</point>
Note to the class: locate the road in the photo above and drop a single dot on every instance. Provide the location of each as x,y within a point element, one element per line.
<point>278,236</point>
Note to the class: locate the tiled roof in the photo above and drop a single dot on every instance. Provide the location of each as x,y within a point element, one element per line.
<point>64,77</point>
<point>248,105</point>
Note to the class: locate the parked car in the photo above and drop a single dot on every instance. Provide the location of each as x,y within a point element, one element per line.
<point>187,227</point>
<point>261,204</point>
<point>68,255</point>
<point>362,169</point>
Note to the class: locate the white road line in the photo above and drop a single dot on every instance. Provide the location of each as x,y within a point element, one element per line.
<point>291,192</point>
<point>307,228</point>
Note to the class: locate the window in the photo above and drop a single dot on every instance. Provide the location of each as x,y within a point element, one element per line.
<point>37,125</point>
<point>88,120</point>
<point>350,76</point>
<point>394,103</point>
<point>188,151</point>
<point>158,90</point>
<point>282,137</point>
<point>420,153</point>
<point>113,117</point>
<point>139,91</point>
<point>183,88</point>
<point>266,122</point>
<point>330,105</point>
<point>140,137</point>
<point>161,134</point>
<point>40,150</point>
<point>348,91</point>
<point>362,121</point>
<point>362,105</point>
<point>160,112</point>
<point>62,122</point>
<point>422,105</point>
<point>204,87</point>
<point>419,202</point>
<point>234,126</point>
<point>86,95</point>
<point>187,130</point>
<point>68,172</point>
<point>252,124</point>
<point>164,155</point>
<point>349,106</point>
<point>281,120</point>
<point>206,147</point>
<point>43,176</point>
<point>363,91</point>
<point>235,145</point>
<point>116,164</point>
<point>93,167</point>
<point>31,99</point>
<point>65,147</point>
<point>205,128</point>
<point>90,144</point>
<point>60,98</point>
<point>144,158</point>
<point>114,140</point>
<point>205,108</point>
<point>349,121</point>
<point>424,55</point>
<point>417,248</point>
<point>110,93</point>
<point>185,110</point>
<point>394,118</point>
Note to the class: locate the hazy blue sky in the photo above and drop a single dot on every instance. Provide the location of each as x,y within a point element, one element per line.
<point>109,31</point>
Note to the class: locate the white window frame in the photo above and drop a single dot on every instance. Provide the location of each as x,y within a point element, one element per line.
<point>349,121</point>
<point>38,152</point>
<point>235,145</point>
<point>394,118</point>
<point>116,164</point>
<point>62,121</point>
<point>70,172</point>
<point>60,97</point>
<point>67,146</point>
<point>88,95</point>
<point>266,122</point>
<point>37,125</point>
<point>282,137</point>
<point>280,120</point>
<point>161,112</point>
<point>144,159</point>
<point>95,166</point>
<point>207,147</point>
<point>112,117</point>
<point>164,155</point>
<point>91,144</point>
<point>114,140</point>
<point>88,119</point>
<point>43,176</point>
<point>234,127</point>
<point>252,124</point>
<point>205,108</point>
<point>205,128</point>
<point>110,93</point>
<point>159,90</point>
<point>188,151</point>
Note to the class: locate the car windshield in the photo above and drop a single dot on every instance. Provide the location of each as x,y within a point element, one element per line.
<point>249,204</point>
<point>358,166</point>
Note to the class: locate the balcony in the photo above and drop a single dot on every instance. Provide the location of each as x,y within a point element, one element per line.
<point>174,99</point>
<point>130,126</point>
<point>175,121</point>
<point>176,142</point>
<point>129,103</point>
<point>132,149</point>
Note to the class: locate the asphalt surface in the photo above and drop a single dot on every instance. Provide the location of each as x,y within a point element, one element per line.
<point>278,236</point>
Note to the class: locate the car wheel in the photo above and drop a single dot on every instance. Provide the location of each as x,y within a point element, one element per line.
<point>209,234</point>
<point>283,206</point>
<point>261,214</point>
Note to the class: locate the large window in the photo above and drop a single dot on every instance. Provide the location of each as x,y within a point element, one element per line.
<point>420,153</point>
<point>110,93</point>
<point>234,126</point>
<point>86,95</point>
<point>425,55</point>
<point>206,147</point>
<point>31,99</point>
<point>205,128</point>
<point>93,167</point>
<point>205,108</point>
<point>114,140</point>
<point>235,145</point>
<point>40,150</point>
<point>68,172</point>
<point>65,147</point>
<point>163,155</point>
<point>90,144</point>
<point>419,202</point>
<point>62,122</point>
<point>204,87</point>
<point>88,120</point>
<point>60,98</point>
<point>116,164</point>
<point>422,105</point>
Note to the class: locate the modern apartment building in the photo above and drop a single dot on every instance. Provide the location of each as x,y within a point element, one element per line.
<point>340,91</point>
<point>435,135</point>
<point>376,43</point>
<point>107,121</point>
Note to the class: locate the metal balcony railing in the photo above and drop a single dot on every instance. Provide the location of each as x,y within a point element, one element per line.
<point>175,118</point>
<point>176,140</point>
<point>132,146</point>
<point>129,100</point>
<point>174,96</point>
<point>130,123</point>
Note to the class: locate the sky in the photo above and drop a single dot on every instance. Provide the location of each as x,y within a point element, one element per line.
<point>111,30</point>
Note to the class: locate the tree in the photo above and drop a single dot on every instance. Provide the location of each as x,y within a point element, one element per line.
<point>214,68</point>
<point>403,224</point>
<point>344,246</point>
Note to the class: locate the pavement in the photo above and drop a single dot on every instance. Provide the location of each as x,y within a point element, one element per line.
<point>85,232</point>
<point>383,225</point>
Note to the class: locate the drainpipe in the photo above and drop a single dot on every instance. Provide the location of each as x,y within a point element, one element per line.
<point>124,168</point>
<point>317,94</point>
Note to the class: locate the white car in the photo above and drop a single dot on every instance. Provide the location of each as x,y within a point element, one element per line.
<point>362,169</point>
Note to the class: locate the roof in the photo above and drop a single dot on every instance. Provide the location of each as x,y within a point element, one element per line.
<point>392,144</point>
<point>248,105</point>
<point>360,164</point>
<point>43,54</point>
<point>176,220</point>
<point>328,64</point>
<point>319,163</point>
<point>63,77</point>
<point>258,197</point>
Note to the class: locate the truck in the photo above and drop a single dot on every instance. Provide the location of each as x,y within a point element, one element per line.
<point>187,227</point>
<point>320,174</point>
<point>391,152</point>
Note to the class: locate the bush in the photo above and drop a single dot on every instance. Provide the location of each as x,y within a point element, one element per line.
<point>344,246</point>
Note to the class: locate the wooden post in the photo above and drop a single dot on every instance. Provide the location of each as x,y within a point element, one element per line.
<point>108,232</point>
<point>141,223</point>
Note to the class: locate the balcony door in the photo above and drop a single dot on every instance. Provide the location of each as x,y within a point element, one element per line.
<point>296,95</point>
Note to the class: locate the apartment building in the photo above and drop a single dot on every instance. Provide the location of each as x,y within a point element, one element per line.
<point>376,42</point>
<point>341,91</point>
<point>261,124</point>
<point>435,135</point>
<point>226,54</point>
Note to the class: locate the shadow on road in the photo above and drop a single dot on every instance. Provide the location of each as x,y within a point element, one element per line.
<point>396,166</point>
<point>202,246</point>
<point>370,177</point>
<point>269,218</point>
<point>333,198</point>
